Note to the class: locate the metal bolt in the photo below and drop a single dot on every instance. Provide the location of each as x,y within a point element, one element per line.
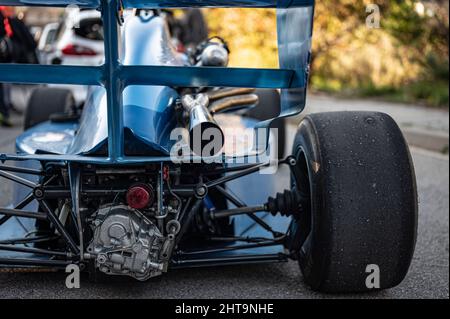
<point>101,259</point>
<point>38,193</point>
<point>201,191</point>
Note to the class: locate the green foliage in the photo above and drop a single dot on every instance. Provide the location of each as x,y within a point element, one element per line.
<point>402,21</point>
<point>406,59</point>
<point>251,35</point>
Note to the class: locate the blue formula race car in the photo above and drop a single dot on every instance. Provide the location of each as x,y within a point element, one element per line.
<point>172,162</point>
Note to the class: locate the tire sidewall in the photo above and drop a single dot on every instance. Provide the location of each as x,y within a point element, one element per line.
<point>44,102</point>
<point>311,260</point>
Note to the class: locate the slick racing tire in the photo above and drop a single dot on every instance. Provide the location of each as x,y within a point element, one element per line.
<point>269,107</point>
<point>45,102</point>
<point>359,232</point>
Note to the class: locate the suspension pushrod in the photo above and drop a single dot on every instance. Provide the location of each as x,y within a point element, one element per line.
<point>21,213</point>
<point>27,240</point>
<point>230,169</point>
<point>23,170</point>
<point>234,260</point>
<point>33,262</point>
<point>274,242</point>
<point>28,199</point>
<point>4,219</point>
<point>32,250</point>
<point>17,179</point>
<point>231,177</point>
<point>243,170</point>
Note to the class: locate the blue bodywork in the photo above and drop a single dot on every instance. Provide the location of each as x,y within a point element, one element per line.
<point>129,113</point>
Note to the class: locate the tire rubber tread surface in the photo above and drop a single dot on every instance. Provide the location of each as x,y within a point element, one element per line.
<point>364,200</point>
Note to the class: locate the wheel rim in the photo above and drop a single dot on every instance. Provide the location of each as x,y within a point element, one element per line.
<point>305,221</point>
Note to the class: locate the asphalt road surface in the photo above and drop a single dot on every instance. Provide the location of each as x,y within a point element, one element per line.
<point>428,276</point>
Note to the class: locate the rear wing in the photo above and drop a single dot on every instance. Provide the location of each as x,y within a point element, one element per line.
<point>294,24</point>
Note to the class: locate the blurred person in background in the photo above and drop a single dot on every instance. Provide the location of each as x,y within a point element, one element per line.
<point>23,44</point>
<point>17,45</point>
<point>5,57</point>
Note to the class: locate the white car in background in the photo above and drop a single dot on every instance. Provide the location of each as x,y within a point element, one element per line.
<point>76,40</point>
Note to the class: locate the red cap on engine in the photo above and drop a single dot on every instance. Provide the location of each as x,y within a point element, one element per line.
<point>139,196</point>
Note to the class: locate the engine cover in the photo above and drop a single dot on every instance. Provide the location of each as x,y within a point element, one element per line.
<point>126,243</point>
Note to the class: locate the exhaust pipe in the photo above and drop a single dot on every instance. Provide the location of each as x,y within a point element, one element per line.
<point>205,136</point>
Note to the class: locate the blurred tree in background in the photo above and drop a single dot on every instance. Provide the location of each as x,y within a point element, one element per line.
<point>406,59</point>
<point>250,33</point>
